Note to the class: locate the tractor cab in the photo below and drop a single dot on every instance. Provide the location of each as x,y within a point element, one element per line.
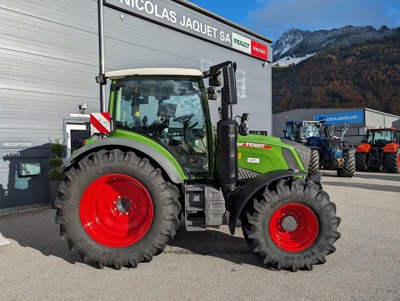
<point>169,108</point>
<point>381,137</point>
<point>300,131</point>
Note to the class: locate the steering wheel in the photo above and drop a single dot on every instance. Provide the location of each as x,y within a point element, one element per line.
<point>183,118</point>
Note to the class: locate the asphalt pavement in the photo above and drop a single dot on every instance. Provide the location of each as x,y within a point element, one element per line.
<point>214,265</point>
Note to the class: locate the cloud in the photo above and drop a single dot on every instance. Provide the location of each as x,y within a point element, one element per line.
<point>277,16</point>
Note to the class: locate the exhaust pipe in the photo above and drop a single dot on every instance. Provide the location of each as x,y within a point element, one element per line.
<point>227,131</point>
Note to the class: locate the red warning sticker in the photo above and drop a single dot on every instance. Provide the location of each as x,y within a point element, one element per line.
<point>100,123</point>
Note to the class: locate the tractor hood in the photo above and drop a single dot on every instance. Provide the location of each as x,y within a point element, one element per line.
<point>262,154</point>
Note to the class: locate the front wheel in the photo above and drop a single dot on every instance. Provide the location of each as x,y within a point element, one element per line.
<point>313,168</point>
<point>116,209</point>
<point>292,226</point>
<point>361,162</point>
<point>348,167</point>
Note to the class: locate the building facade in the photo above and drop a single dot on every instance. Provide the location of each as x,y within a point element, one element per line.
<point>49,58</point>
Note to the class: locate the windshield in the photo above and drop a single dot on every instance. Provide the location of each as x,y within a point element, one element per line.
<point>301,132</point>
<point>170,111</point>
<point>380,137</point>
<point>310,130</point>
<point>292,132</point>
<point>334,144</point>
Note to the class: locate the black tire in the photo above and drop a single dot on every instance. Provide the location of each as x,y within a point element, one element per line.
<point>361,162</point>
<point>261,210</point>
<point>392,162</point>
<point>349,164</point>
<point>162,226</point>
<point>314,162</point>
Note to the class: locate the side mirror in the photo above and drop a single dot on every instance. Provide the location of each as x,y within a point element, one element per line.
<point>245,117</point>
<point>244,127</point>
<point>215,81</point>
<point>212,95</point>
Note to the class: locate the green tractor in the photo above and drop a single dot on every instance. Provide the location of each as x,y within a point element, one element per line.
<point>126,191</point>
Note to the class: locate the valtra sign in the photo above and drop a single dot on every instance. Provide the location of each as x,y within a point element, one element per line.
<point>179,17</point>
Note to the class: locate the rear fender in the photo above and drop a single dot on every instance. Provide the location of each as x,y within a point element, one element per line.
<point>391,148</point>
<point>251,187</point>
<point>363,148</point>
<point>110,143</point>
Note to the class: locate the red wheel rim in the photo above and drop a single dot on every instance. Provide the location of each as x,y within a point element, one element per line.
<point>302,235</point>
<point>116,210</point>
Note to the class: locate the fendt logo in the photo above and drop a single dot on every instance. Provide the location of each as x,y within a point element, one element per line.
<point>254,145</point>
<point>249,46</point>
<point>241,43</point>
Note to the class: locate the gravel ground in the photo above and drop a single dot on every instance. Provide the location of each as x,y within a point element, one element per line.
<point>211,265</point>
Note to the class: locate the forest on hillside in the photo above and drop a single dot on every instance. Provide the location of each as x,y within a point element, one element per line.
<point>365,75</point>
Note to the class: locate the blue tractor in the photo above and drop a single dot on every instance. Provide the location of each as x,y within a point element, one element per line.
<point>328,151</point>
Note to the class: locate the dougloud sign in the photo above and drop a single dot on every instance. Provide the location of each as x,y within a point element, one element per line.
<point>185,19</point>
<point>345,117</point>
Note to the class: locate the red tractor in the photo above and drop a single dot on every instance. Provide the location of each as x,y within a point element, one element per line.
<point>379,149</point>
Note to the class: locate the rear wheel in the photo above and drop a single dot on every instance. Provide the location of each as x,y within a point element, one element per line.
<point>314,162</point>
<point>348,167</point>
<point>116,209</point>
<point>392,161</point>
<point>293,226</point>
<point>361,161</point>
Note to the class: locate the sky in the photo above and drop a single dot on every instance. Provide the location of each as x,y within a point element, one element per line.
<point>272,18</point>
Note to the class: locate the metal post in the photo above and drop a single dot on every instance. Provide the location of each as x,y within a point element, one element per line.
<point>100,11</point>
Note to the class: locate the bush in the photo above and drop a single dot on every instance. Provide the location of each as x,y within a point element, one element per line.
<point>56,162</point>
<point>55,175</point>
<point>58,150</point>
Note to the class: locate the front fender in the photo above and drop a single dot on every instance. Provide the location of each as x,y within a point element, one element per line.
<point>391,148</point>
<point>251,187</point>
<point>364,148</point>
<point>176,175</point>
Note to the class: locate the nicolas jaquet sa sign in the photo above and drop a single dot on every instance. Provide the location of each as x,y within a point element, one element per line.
<point>184,19</point>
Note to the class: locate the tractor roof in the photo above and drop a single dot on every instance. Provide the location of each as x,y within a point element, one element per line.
<point>155,72</point>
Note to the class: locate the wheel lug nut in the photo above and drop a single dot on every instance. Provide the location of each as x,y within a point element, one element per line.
<point>115,209</point>
<point>119,196</point>
<point>120,214</point>
<point>127,213</point>
<point>114,202</point>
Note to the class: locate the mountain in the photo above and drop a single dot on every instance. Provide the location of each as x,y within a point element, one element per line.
<point>299,43</point>
<point>348,70</point>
